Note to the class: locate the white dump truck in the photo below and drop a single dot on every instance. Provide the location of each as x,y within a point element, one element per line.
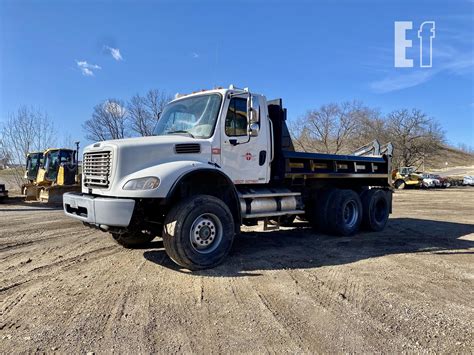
<point>219,159</point>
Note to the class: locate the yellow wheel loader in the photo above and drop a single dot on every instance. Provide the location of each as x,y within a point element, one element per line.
<point>58,174</point>
<point>406,177</point>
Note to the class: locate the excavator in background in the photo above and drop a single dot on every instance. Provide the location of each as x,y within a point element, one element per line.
<point>58,173</point>
<point>406,177</point>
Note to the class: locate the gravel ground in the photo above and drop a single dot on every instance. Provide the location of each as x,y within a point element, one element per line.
<point>70,289</point>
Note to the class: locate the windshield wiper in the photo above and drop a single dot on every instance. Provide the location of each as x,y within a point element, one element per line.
<point>186,132</point>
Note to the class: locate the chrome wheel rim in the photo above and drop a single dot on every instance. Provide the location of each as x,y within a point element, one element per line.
<point>206,233</point>
<point>350,214</point>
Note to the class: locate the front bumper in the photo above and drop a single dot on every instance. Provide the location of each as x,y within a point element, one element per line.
<point>105,211</point>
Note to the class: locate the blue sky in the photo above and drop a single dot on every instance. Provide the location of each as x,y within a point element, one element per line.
<point>308,53</point>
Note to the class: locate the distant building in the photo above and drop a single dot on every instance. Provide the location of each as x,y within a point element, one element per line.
<point>3,163</point>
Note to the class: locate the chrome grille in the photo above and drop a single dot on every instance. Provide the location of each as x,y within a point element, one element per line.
<point>96,168</point>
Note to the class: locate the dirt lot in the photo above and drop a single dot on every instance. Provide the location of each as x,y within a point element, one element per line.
<point>68,288</point>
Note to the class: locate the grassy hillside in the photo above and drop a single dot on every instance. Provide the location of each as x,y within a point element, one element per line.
<point>453,156</point>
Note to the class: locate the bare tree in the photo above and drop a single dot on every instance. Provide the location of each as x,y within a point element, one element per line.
<point>144,111</point>
<point>4,155</point>
<point>155,101</point>
<point>415,136</point>
<point>108,121</point>
<point>333,128</point>
<point>141,120</point>
<point>342,128</point>
<point>25,131</point>
<point>463,147</point>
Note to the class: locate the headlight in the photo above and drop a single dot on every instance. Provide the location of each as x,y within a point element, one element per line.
<point>146,183</point>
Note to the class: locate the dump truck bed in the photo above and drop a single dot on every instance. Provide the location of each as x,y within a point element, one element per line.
<point>374,169</point>
<point>335,165</point>
<point>369,170</point>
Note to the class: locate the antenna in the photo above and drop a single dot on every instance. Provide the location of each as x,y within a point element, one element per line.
<point>214,69</point>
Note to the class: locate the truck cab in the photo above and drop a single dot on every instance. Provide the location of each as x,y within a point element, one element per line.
<point>218,159</point>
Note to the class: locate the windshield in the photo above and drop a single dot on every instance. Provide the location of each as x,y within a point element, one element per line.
<point>33,161</point>
<point>195,116</point>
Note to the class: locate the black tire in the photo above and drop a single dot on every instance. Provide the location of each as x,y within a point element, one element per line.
<point>198,232</point>
<point>318,214</point>
<point>375,209</point>
<point>400,184</point>
<point>344,214</point>
<point>133,239</point>
<point>285,221</point>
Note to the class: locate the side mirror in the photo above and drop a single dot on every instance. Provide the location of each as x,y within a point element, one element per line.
<point>253,109</point>
<point>253,129</point>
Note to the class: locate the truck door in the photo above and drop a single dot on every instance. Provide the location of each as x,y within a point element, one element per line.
<point>245,159</point>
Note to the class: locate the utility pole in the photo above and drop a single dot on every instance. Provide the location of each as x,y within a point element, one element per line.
<point>77,152</point>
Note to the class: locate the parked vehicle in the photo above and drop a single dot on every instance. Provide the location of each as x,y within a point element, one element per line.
<point>3,192</point>
<point>406,177</point>
<point>33,162</point>
<point>430,181</point>
<point>455,181</point>
<point>441,181</point>
<point>219,159</point>
<point>468,181</point>
<point>51,174</point>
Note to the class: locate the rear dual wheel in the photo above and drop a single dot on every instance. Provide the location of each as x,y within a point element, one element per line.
<point>343,212</point>
<point>337,212</point>
<point>376,209</point>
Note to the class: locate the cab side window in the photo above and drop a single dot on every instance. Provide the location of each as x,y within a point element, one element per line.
<point>236,119</point>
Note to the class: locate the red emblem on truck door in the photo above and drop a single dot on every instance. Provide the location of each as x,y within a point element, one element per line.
<point>248,156</point>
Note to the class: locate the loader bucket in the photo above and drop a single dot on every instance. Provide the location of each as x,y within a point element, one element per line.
<point>32,193</point>
<point>54,194</point>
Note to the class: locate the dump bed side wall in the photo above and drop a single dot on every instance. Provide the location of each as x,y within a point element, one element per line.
<point>289,166</point>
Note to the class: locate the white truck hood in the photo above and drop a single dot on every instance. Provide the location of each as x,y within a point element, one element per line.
<point>143,156</point>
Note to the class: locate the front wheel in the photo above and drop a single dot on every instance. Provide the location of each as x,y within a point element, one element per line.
<point>400,184</point>
<point>198,232</point>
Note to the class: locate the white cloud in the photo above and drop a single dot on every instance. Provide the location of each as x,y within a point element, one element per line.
<point>445,60</point>
<point>401,81</point>
<point>87,72</point>
<point>114,52</point>
<point>87,69</point>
